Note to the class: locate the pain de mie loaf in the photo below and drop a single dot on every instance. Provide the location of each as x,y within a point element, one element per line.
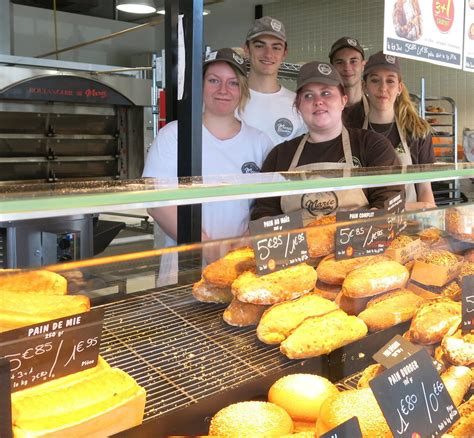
<point>39,281</point>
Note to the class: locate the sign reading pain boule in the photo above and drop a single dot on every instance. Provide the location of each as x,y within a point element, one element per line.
<point>282,248</point>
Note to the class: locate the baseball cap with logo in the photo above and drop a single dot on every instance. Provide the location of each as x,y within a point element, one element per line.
<point>226,55</point>
<point>346,42</point>
<point>267,26</point>
<point>317,72</point>
<point>381,61</point>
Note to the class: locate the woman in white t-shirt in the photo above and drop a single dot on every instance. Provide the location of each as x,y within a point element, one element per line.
<point>229,146</point>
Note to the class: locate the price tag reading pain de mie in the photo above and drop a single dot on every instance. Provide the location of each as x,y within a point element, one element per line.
<point>284,247</point>
<point>413,398</point>
<point>52,349</point>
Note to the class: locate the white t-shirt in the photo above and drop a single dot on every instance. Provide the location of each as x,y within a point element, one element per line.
<point>274,114</point>
<point>243,153</point>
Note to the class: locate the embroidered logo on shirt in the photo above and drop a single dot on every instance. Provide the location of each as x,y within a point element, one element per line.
<point>283,127</point>
<point>250,167</point>
<point>318,204</point>
<point>399,149</point>
<point>355,161</point>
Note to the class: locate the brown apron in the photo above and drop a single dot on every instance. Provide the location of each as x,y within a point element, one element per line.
<point>405,160</point>
<point>314,205</point>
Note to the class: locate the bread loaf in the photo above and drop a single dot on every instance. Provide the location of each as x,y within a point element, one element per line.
<point>320,235</point>
<point>374,279</point>
<point>243,314</point>
<point>328,291</point>
<point>279,320</point>
<point>209,293</point>
<point>390,309</point>
<point>224,271</point>
<point>352,306</point>
<point>276,287</point>
<point>459,348</point>
<point>319,335</point>
<point>39,282</point>
<point>464,427</point>
<point>457,380</point>
<point>368,374</point>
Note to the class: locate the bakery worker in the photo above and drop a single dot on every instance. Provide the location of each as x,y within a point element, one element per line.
<point>392,114</point>
<point>229,146</point>
<point>271,105</point>
<point>348,58</point>
<point>329,144</point>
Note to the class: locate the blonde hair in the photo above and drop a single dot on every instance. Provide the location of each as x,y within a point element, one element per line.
<point>412,125</point>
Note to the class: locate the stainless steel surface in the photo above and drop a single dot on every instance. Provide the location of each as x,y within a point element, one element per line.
<point>6,20</point>
<point>58,137</point>
<point>182,351</point>
<point>56,108</point>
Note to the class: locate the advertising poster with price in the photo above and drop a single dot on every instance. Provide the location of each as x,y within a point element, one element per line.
<point>469,36</point>
<point>52,349</point>
<point>425,30</point>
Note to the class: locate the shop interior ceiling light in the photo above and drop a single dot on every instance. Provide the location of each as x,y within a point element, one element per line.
<point>136,6</point>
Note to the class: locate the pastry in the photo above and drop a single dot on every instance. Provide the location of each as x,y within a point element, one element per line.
<point>251,418</point>
<point>374,279</point>
<point>279,320</point>
<point>209,293</point>
<point>224,271</point>
<point>390,309</point>
<point>243,314</point>
<point>301,395</point>
<point>320,236</point>
<point>319,335</point>
<point>276,287</point>
<point>459,348</point>
<point>40,281</point>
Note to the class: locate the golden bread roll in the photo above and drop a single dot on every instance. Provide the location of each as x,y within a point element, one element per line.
<point>352,306</point>
<point>368,374</point>
<point>441,358</point>
<point>319,335</point>
<point>390,309</point>
<point>434,319</point>
<point>460,222</point>
<point>97,402</point>
<point>303,428</point>
<point>459,348</point>
<point>209,293</point>
<point>430,348</point>
<point>374,279</point>
<point>243,314</point>
<point>457,380</point>
<point>276,287</point>
<point>328,291</point>
<point>40,282</point>
<point>19,309</point>
<point>279,320</point>
<point>320,235</point>
<point>224,271</point>
<point>301,395</point>
<point>332,271</point>
<point>360,403</point>
<point>252,419</point>
<point>464,427</point>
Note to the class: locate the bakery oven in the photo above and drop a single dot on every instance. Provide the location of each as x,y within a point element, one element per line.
<point>60,126</point>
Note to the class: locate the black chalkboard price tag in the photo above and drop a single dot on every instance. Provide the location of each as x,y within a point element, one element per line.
<point>52,349</point>
<point>467,303</point>
<point>361,238</point>
<point>284,247</point>
<point>394,351</point>
<point>394,208</point>
<point>348,429</point>
<point>413,398</point>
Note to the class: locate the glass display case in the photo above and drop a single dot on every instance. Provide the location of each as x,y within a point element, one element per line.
<point>180,350</point>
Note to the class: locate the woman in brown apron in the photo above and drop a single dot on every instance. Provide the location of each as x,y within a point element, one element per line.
<point>320,99</point>
<point>391,113</point>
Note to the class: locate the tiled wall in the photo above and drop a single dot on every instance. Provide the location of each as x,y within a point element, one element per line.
<point>313,25</point>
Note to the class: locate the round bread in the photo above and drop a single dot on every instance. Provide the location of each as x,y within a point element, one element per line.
<point>347,404</point>
<point>301,395</point>
<point>459,348</point>
<point>251,418</point>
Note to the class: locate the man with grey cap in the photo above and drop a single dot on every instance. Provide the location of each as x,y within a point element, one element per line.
<point>348,58</point>
<point>270,107</point>
<point>328,145</point>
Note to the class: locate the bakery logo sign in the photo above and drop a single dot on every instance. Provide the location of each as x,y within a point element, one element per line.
<point>284,127</point>
<point>390,59</point>
<point>276,25</point>
<point>250,167</point>
<point>237,58</point>
<point>352,42</point>
<point>319,204</point>
<point>324,69</point>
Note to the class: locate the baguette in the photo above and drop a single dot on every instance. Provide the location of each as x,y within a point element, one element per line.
<point>374,279</point>
<point>243,314</point>
<point>319,335</point>
<point>457,380</point>
<point>279,320</point>
<point>276,287</point>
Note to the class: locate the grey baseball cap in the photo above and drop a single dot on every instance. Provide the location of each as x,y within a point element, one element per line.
<point>317,72</point>
<point>346,42</point>
<point>381,61</point>
<point>226,55</point>
<point>267,26</point>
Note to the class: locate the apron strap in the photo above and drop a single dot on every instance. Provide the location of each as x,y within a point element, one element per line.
<point>402,138</point>
<point>346,147</point>
<point>299,151</point>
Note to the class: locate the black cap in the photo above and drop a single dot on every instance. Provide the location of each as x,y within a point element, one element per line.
<point>346,42</point>
<point>381,61</point>
<point>226,55</point>
<point>316,72</point>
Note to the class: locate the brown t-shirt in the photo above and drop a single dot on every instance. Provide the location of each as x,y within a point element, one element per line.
<point>353,116</point>
<point>369,149</point>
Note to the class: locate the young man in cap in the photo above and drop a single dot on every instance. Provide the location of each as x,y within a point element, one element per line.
<point>270,107</point>
<point>347,57</point>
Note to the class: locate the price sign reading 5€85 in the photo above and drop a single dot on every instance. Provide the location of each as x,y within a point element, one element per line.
<point>413,398</point>
<point>281,249</point>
